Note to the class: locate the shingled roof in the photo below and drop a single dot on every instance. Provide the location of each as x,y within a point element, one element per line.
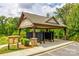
<point>28,20</point>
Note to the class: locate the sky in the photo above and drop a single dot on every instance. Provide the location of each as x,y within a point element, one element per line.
<point>15,9</point>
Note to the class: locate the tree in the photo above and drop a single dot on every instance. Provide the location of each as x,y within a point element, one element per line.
<point>70,15</point>
<point>8,25</point>
<point>2,24</point>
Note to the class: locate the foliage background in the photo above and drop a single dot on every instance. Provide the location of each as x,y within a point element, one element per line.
<point>69,13</point>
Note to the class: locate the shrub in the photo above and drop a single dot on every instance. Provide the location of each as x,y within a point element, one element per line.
<point>3,40</point>
<point>74,38</point>
<point>25,41</point>
<point>23,34</point>
<point>16,32</point>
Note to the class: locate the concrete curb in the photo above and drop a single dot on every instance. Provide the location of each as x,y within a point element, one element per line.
<point>50,48</point>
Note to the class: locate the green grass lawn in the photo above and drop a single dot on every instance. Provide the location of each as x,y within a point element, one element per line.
<point>6,50</point>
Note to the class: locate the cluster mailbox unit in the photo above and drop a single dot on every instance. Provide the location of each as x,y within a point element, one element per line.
<point>41,36</point>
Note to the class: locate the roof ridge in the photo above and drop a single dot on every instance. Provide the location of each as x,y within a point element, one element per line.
<point>35,14</point>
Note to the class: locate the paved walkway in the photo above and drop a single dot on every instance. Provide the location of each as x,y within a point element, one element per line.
<point>3,45</point>
<point>68,50</point>
<point>39,49</point>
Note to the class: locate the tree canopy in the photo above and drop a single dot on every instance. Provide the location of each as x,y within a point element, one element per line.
<point>70,15</point>
<point>8,25</point>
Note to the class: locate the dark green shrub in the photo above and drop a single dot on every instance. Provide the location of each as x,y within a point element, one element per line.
<point>25,41</point>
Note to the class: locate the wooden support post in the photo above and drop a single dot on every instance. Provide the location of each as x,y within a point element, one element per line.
<point>34,39</point>
<point>19,31</point>
<point>47,39</point>
<point>8,44</point>
<point>18,43</point>
<point>41,39</point>
<point>44,38</point>
<point>65,35</point>
<point>46,30</point>
<point>34,33</point>
<point>51,37</point>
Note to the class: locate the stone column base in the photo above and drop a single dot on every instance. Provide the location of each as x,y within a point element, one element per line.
<point>33,41</point>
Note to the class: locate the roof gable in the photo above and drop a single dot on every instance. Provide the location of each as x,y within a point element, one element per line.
<point>52,20</point>
<point>26,23</point>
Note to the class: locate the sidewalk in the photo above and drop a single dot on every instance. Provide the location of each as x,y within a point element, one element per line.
<point>35,50</point>
<point>3,45</point>
<point>6,45</point>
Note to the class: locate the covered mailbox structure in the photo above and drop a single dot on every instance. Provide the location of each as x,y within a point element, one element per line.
<point>32,21</point>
